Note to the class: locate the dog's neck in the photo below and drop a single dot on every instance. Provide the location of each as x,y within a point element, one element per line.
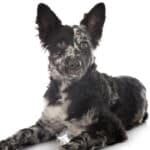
<point>58,88</point>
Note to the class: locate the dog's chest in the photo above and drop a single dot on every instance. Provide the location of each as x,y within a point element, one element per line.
<point>57,116</point>
<point>58,110</point>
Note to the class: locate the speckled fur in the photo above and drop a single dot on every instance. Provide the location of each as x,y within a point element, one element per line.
<point>90,109</point>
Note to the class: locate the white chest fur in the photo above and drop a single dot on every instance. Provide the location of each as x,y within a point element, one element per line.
<point>58,112</point>
<point>62,92</point>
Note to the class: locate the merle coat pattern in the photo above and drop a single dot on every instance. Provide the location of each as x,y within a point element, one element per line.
<point>91,109</point>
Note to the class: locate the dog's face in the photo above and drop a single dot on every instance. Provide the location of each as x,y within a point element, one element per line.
<point>70,47</point>
<point>70,53</point>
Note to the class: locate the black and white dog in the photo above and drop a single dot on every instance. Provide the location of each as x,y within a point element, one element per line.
<point>86,110</point>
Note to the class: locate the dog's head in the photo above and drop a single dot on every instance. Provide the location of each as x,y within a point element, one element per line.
<point>70,47</point>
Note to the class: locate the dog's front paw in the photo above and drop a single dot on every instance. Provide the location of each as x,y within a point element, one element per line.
<point>72,146</point>
<point>5,145</point>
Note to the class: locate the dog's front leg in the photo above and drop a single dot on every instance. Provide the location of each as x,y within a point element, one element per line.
<point>83,142</point>
<point>35,134</point>
<point>107,130</point>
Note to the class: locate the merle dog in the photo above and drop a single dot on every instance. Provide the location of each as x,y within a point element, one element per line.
<point>86,110</point>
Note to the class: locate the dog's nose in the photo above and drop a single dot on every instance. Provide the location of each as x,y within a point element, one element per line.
<point>73,63</point>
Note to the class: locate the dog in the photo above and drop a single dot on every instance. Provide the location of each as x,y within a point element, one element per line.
<point>86,109</point>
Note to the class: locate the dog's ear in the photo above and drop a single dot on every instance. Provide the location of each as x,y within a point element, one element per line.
<point>47,22</point>
<point>94,21</point>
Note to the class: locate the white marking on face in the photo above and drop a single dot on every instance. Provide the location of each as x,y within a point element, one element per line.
<point>80,35</point>
<point>70,51</point>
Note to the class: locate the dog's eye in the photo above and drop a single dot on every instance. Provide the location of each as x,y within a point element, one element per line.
<point>62,45</point>
<point>84,45</point>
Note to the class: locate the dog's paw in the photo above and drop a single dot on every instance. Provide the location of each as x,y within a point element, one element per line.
<point>5,145</point>
<point>71,146</point>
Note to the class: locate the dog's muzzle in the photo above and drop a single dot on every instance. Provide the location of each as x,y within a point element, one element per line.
<point>73,65</point>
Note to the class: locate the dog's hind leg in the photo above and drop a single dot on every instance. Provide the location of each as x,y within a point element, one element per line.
<point>36,134</point>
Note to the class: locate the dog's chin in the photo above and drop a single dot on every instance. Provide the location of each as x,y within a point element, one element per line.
<point>75,74</point>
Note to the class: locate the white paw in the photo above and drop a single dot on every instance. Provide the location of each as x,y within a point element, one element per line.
<point>63,139</point>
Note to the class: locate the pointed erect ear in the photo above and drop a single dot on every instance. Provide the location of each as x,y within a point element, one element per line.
<point>47,22</point>
<point>94,21</point>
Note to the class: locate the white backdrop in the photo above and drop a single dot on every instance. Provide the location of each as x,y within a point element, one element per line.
<point>124,50</point>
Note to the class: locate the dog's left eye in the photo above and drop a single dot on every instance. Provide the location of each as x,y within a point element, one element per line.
<point>84,45</point>
<point>62,45</point>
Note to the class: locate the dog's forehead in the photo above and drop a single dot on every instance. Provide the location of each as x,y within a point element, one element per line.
<point>79,29</point>
<point>71,34</point>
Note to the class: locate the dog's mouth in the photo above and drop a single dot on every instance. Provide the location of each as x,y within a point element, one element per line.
<point>74,73</point>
